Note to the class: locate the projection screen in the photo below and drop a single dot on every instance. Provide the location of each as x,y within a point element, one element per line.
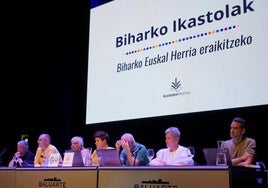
<point>151,58</point>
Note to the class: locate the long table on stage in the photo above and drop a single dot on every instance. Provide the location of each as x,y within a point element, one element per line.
<point>127,177</point>
<point>64,177</point>
<point>164,177</point>
<point>7,177</point>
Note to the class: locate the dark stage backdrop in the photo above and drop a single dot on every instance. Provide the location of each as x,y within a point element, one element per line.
<point>45,89</point>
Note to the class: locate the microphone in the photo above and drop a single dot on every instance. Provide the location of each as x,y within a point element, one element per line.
<point>136,151</point>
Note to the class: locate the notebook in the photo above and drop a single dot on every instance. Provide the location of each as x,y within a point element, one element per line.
<point>72,159</point>
<point>211,153</point>
<point>108,157</point>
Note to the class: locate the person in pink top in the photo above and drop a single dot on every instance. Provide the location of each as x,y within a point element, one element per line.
<point>77,144</point>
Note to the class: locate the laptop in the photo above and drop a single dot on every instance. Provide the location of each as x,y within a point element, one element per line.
<point>211,153</point>
<point>72,159</point>
<point>108,157</point>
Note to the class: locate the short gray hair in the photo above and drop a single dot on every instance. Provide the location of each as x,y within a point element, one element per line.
<point>173,130</point>
<point>78,139</point>
<point>23,143</point>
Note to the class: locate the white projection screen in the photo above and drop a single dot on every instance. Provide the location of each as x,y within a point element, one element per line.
<point>152,58</point>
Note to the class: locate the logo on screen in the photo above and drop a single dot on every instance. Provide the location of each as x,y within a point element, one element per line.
<point>176,85</point>
<point>176,88</point>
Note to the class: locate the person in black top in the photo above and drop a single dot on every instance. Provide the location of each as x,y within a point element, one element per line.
<point>23,157</point>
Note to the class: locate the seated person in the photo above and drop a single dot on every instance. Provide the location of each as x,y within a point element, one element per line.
<point>23,157</point>
<point>174,154</point>
<point>132,153</point>
<point>101,142</point>
<point>44,150</point>
<point>242,149</point>
<point>77,144</point>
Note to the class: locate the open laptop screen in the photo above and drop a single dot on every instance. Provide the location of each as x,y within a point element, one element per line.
<point>72,159</point>
<point>108,157</point>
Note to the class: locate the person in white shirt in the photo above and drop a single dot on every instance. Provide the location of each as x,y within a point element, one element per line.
<point>174,154</point>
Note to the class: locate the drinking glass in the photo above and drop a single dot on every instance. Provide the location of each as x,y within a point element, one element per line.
<point>88,159</point>
<point>150,154</point>
<point>221,157</point>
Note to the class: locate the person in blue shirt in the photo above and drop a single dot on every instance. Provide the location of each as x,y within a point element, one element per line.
<point>132,153</point>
